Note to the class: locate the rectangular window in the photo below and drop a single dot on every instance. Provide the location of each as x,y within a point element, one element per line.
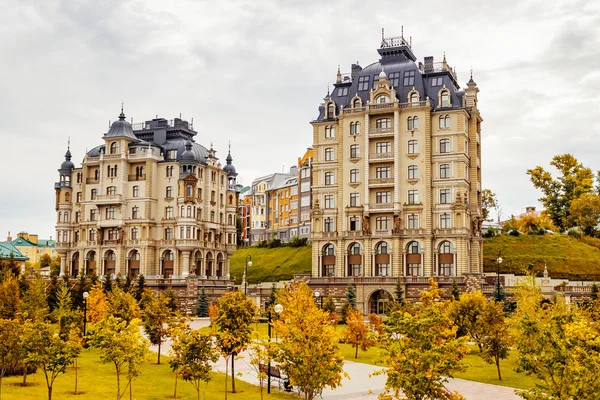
<point>436,81</point>
<point>92,235</point>
<point>383,123</point>
<point>93,194</point>
<point>93,214</point>
<point>383,147</point>
<point>409,78</point>
<point>412,221</point>
<point>172,154</point>
<point>168,234</point>
<point>343,91</point>
<point>354,199</point>
<point>413,147</point>
<point>354,151</point>
<point>111,213</point>
<point>363,83</point>
<point>413,172</point>
<point>135,212</point>
<point>329,154</point>
<point>328,225</point>
<point>305,187</point>
<point>354,176</point>
<point>383,172</point>
<point>305,201</point>
<point>78,197</point>
<point>77,216</point>
<point>382,223</point>
<point>444,145</point>
<point>383,197</point>
<point>169,191</point>
<point>394,78</point>
<point>444,196</point>
<point>354,223</point>
<point>168,212</point>
<point>413,197</point>
<point>136,191</point>
<point>329,201</point>
<point>111,190</point>
<point>445,171</point>
<point>329,178</point>
<point>445,221</point>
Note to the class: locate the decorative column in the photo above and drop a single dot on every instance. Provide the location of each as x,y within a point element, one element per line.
<point>63,264</point>
<point>186,264</point>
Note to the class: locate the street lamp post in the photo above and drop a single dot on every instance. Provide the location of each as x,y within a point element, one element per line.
<point>278,309</point>
<point>499,260</point>
<point>85,296</point>
<point>248,264</point>
<point>318,296</point>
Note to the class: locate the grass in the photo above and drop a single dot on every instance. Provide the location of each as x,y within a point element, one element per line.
<point>98,381</point>
<point>270,265</point>
<point>566,257</point>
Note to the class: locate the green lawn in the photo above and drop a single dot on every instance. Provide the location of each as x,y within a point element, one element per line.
<point>270,265</point>
<point>98,381</point>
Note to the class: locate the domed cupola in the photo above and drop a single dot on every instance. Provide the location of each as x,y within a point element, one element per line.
<point>120,128</point>
<point>230,169</point>
<point>67,165</point>
<point>66,169</point>
<point>188,160</point>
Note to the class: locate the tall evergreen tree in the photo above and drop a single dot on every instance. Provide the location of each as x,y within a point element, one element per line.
<point>273,296</point>
<point>172,304</point>
<point>351,296</point>
<point>139,290</point>
<point>202,308</point>
<point>399,293</point>
<point>108,284</point>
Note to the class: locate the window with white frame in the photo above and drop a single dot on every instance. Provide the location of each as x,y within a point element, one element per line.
<point>329,178</point>
<point>445,222</point>
<point>444,171</point>
<point>383,197</point>
<point>412,221</point>
<point>383,147</point>
<point>329,154</point>
<point>354,199</point>
<point>383,123</point>
<point>354,176</point>
<point>413,147</point>
<point>413,172</point>
<point>445,97</point>
<point>382,223</point>
<point>444,145</point>
<point>413,197</point>
<point>383,172</point>
<point>329,201</point>
<point>354,151</point>
<point>445,196</point>
<point>328,224</point>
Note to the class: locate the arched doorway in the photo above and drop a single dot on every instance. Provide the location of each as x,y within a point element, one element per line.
<point>167,264</point>
<point>91,263</point>
<point>198,263</point>
<point>219,271</point>
<point>110,261</point>
<point>379,302</point>
<point>75,265</point>
<point>209,264</point>
<point>133,269</point>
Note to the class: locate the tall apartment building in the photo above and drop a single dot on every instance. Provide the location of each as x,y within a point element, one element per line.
<point>149,200</point>
<point>283,209</point>
<point>396,177</point>
<point>261,204</point>
<point>305,193</point>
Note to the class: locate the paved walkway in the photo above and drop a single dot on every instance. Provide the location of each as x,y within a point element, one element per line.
<point>362,385</point>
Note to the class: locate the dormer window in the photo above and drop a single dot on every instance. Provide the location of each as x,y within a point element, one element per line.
<point>414,98</point>
<point>331,110</point>
<point>357,103</point>
<point>409,78</point>
<point>445,98</point>
<point>114,148</point>
<point>382,99</point>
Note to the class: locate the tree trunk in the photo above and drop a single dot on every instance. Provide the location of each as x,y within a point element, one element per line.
<point>75,363</point>
<point>198,391</point>
<point>118,385</point>
<point>232,373</point>
<point>130,390</point>
<point>24,375</point>
<point>159,342</point>
<point>175,390</point>
<point>498,367</point>
<point>49,392</point>
<point>226,370</point>
<point>356,353</point>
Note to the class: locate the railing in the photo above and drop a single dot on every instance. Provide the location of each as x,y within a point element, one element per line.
<point>354,110</point>
<point>381,181</point>
<point>380,131</point>
<point>413,104</point>
<point>380,155</point>
<point>380,206</point>
<point>383,232</point>
<point>111,241</point>
<point>109,198</point>
<point>381,106</point>
<point>91,180</point>
<point>137,177</point>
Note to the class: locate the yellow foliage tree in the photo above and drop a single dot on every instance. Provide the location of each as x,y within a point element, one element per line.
<point>357,333</point>
<point>97,304</point>
<point>308,351</point>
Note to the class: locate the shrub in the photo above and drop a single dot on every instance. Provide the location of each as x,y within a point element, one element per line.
<point>490,232</point>
<point>298,242</point>
<point>514,232</point>
<point>576,233</point>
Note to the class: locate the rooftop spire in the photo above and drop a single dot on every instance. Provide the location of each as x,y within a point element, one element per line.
<point>339,75</point>
<point>122,115</point>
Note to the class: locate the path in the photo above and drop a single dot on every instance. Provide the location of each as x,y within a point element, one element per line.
<point>361,384</point>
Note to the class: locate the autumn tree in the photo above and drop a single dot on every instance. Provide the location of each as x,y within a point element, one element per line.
<point>10,331</point>
<point>496,341</point>
<point>307,350</point>
<point>258,356</point>
<point>122,305</point>
<point>177,332</point>
<point>234,320</point>
<point>488,202</point>
<point>585,212</point>
<point>197,354</point>
<point>10,298</point>
<point>157,316</point>
<point>465,314</point>
<point>48,351</point>
<point>140,287</point>
<point>45,261</point>
<point>422,350</point>
<point>558,345</point>
<point>35,304</point>
<point>357,333</point>
<point>573,180</point>
<point>120,344</point>
<point>97,305</point>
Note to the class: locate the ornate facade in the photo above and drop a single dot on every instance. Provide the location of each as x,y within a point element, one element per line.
<point>396,177</point>
<point>150,201</point>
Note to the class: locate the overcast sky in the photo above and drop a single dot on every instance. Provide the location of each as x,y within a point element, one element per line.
<point>254,72</point>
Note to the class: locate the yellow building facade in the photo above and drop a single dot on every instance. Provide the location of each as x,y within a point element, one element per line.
<point>396,193</point>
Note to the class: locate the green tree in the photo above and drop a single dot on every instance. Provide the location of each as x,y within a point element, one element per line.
<point>35,304</point>
<point>399,293</point>
<point>202,307</point>
<point>197,354</point>
<point>572,181</point>
<point>80,287</point>
<point>45,261</point>
<point>422,350</point>
<point>234,321</point>
<point>170,295</point>
<point>122,345</point>
<point>108,284</point>
<point>10,298</point>
<point>122,305</point>
<point>48,352</point>
<point>496,340</point>
<point>351,295</point>
<point>273,295</point>
<point>455,292</point>
<point>178,330</point>
<point>465,314</point>
<point>157,316</point>
<point>585,212</point>
<point>488,201</point>
<point>140,287</point>
<point>10,331</point>
<point>594,294</point>
<point>307,351</point>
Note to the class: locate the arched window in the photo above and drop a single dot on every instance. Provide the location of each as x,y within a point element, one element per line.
<point>357,103</point>
<point>444,145</point>
<point>445,98</point>
<point>354,176</point>
<point>354,151</point>
<point>409,124</point>
<point>96,175</point>
<point>415,123</point>
<point>189,211</point>
<point>382,259</point>
<point>329,250</point>
<point>444,171</point>
<point>67,197</point>
<point>135,233</point>
<point>382,99</point>
<point>329,154</point>
<point>328,260</point>
<point>114,148</point>
<point>414,98</point>
<point>189,190</point>
<point>446,259</point>
<point>354,259</point>
<point>413,259</point>
<point>331,110</point>
<point>329,178</point>
<point>447,122</point>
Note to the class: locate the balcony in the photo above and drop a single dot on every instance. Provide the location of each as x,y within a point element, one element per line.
<point>381,206</point>
<point>381,132</point>
<point>413,104</point>
<point>348,111</point>
<point>378,182</point>
<point>104,199</point>
<point>91,181</point>
<point>381,157</point>
<point>136,177</point>
<point>383,232</point>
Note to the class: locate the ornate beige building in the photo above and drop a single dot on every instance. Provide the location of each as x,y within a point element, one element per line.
<point>396,177</point>
<point>148,201</point>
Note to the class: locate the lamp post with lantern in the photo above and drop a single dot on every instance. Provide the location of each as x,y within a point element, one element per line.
<point>319,298</point>
<point>278,309</point>
<point>498,295</point>
<point>85,296</point>
<point>248,264</point>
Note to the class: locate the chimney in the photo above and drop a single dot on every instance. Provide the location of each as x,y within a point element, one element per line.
<point>428,63</point>
<point>355,70</point>
<point>9,238</point>
<point>33,238</point>
<point>530,209</point>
